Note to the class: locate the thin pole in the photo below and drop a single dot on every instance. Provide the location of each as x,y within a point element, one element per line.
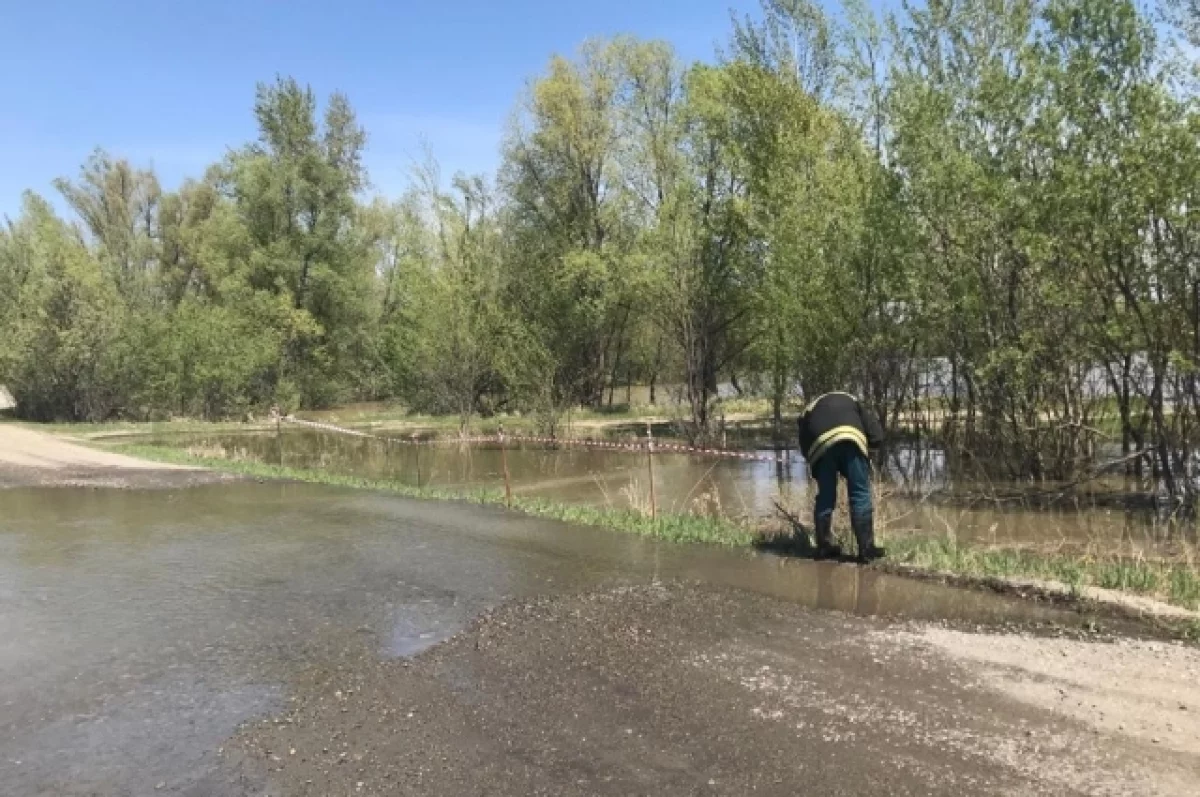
<point>650,469</point>
<point>418,447</point>
<point>279,436</point>
<point>504,463</point>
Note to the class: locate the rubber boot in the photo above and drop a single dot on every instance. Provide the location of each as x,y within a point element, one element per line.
<point>827,547</point>
<point>864,535</point>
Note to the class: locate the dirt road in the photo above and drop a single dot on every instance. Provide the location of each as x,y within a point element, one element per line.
<point>31,458</point>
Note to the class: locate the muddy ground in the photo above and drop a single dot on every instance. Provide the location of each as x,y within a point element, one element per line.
<point>681,689</point>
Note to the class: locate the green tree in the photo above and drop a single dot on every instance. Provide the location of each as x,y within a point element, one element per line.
<point>568,218</point>
<point>460,351</point>
<point>294,191</point>
<point>61,330</point>
<point>119,207</point>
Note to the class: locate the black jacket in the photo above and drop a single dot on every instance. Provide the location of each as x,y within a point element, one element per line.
<point>835,418</point>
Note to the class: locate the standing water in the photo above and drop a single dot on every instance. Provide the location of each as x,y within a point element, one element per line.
<point>741,489</point>
<point>138,628</point>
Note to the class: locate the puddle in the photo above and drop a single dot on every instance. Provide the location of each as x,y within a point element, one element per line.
<point>407,645</point>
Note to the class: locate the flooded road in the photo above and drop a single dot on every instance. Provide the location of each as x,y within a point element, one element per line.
<point>685,484</point>
<point>138,629</point>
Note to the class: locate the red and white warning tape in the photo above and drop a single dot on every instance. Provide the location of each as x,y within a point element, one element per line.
<point>658,448</point>
<point>606,445</point>
<point>328,427</point>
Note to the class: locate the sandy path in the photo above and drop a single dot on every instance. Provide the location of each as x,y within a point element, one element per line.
<point>32,458</point>
<point>1141,691</point>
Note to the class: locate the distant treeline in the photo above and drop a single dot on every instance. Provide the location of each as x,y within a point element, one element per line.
<point>1005,186</point>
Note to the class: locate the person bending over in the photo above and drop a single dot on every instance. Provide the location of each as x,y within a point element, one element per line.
<point>837,434</point>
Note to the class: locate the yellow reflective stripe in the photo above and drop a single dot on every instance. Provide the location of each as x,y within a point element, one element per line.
<point>835,435</point>
<point>813,403</point>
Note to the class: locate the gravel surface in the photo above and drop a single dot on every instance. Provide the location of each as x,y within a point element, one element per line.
<point>681,689</point>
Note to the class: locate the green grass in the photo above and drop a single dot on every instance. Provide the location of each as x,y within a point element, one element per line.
<point>384,417</point>
<point>759,407</point>
<point>669,527</point>
<point>620,411</point>
<point>382,420</point>
<point>1175,582</point>
<point>619,414</point>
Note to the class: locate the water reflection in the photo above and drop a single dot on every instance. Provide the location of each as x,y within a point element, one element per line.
<point>920,493</point>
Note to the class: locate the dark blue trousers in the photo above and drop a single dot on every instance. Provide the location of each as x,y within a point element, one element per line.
<point>847,460</point>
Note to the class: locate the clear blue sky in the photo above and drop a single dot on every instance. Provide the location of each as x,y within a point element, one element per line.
<point>171,83</point>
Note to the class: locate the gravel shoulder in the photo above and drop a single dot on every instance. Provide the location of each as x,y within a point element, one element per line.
<point>29,458</point>
<point>679,689</point>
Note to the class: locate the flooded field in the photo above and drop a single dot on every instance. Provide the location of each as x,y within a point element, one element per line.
<point>913,493</point>
<point>138,628</point>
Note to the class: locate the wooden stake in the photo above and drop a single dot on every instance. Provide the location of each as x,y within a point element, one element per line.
<point>650,469</point>
<point>417,446</point>
<point>504,463</point>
